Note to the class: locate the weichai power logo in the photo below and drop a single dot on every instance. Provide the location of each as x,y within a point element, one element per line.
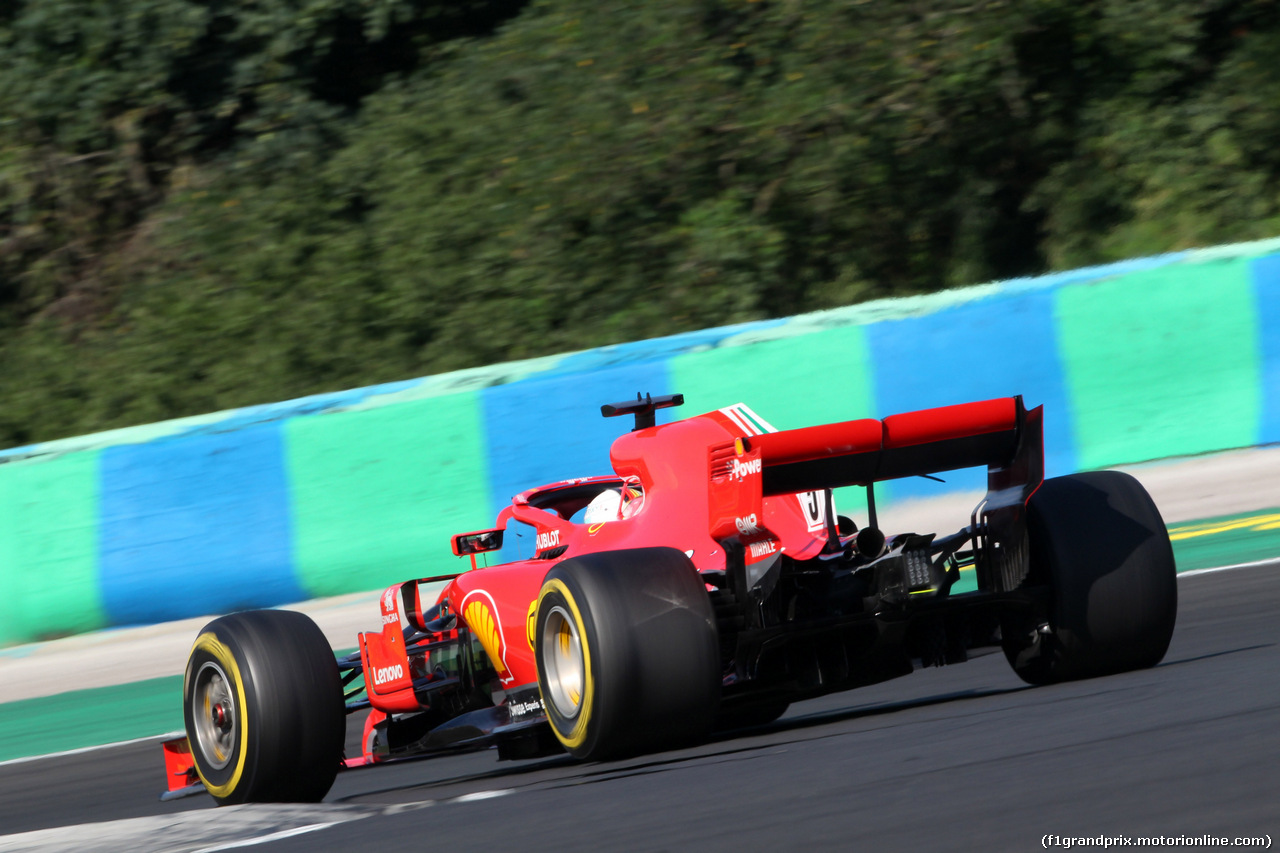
<point>481,614</point>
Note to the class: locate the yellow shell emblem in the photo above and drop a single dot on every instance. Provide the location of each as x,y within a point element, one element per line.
<point>531,623</point>
<point>481,619</point>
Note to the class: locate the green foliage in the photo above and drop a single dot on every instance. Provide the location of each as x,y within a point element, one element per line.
<point>207,205</point>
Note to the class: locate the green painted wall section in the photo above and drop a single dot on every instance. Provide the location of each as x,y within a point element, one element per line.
<point>65,721</point>
<point>377,493</point>
<point>791,382</point>
<point>49,548</point>
<point>1161,363</point>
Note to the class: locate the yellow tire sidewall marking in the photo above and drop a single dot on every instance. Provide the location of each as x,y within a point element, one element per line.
<point>210,643</point>
<point>578,734</point>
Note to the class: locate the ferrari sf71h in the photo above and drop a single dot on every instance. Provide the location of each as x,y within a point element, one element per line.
<point>707,583</point>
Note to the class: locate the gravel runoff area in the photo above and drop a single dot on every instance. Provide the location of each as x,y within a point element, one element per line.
<point>1185,489</point>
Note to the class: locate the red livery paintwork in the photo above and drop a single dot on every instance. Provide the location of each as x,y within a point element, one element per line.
<point>696,485</point>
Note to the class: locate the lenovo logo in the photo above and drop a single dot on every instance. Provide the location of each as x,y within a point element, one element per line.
<point>383,674</point>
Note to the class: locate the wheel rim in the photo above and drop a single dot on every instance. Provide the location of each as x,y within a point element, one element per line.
<point>563,662</point>
<point>214,715</point>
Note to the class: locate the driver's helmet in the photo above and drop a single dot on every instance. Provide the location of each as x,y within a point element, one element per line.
<point>605,506</point>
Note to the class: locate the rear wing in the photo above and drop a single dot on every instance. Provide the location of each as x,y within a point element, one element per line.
<point>1000,434</point>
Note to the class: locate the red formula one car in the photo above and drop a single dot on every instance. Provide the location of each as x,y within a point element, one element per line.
<point>708,582</point>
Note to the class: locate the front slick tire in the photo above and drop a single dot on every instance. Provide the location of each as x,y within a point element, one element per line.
<point>627,652</point>
<point>1099,543</point>
<point>262,705</point>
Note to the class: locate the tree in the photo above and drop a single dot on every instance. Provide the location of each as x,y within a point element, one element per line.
<point>204,206</point>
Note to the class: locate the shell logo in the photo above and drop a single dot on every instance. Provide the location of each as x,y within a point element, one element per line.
<point>479,611</point>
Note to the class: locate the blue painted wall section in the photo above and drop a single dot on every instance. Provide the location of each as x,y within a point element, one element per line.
<point>998,347</point>
<point>1266,288</point>
<point>195,526</point>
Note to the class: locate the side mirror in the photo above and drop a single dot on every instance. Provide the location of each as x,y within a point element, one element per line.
<point>465,544</point>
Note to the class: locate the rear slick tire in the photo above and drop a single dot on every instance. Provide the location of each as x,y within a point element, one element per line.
<point>263,709</point>
<point>627,653</point>
<point>1099,543</point>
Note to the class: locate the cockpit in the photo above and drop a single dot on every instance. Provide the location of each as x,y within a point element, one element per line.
<point>589,501</point>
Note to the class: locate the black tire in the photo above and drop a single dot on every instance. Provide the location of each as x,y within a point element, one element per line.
<point>1099,543</point>
<point>263,709</point>
<point>627,652</point>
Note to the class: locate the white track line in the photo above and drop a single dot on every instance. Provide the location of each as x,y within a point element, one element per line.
<point>201,830</point>
<point>482,795</point>
<point>274,836</point>
<point>84,749</point>
<point>1254,565</point>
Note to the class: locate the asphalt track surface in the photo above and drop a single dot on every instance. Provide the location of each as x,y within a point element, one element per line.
<point>959,758</point>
